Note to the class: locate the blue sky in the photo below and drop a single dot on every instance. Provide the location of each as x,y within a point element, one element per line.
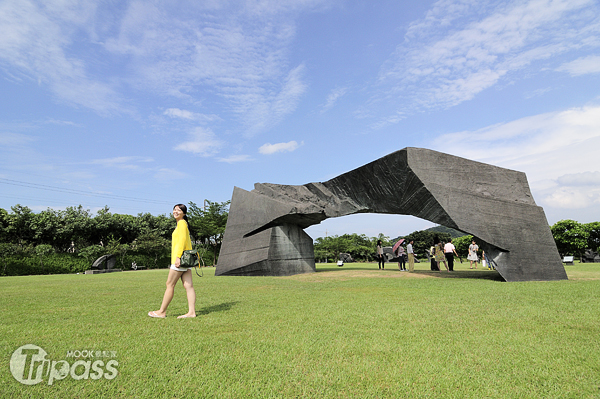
<point>139,105</point>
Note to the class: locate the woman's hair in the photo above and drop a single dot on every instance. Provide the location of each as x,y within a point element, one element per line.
<point>378,242</point>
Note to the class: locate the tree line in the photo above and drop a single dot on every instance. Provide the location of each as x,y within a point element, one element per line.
<point>67,241</point>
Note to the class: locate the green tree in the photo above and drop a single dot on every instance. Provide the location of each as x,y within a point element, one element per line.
<point>44,226</point>
<point>115,247</point>
<point>152,244</point>
<point>571,237</point>
<point>593,230</point>
<point>208,224</point>
<point>19,225</point>
<point>7,250</point>
<point>76,228</point>
<point>423,240</point>
<point>41,251</point>
<point>91,253</point>
<point>4,225</point>
<point>462,245</point>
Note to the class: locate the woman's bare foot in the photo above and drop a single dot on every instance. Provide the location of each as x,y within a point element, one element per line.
<point>157,314</point>
<point>187,315</point>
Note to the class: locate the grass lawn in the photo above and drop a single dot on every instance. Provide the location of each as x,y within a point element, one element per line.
<point>343,332</point>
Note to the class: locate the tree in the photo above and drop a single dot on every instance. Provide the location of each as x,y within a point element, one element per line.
<point>462,245</point>
<point>76,228</point>
<point>208,224</point>
<point>44,226</point>
<point>593,230</point>
<point>152,244</point>
<point>423,240</point>
<point>571,237</point>
<point>4,225</point>
<point>6,250</point>
<point>115,247</point>
<point>91,253</point>
<point>42,251</point>
<point>19,225</point>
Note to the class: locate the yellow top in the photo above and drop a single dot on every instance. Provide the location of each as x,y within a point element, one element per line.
<point>180,240</point>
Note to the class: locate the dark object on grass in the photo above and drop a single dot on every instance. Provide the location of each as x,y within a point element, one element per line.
<point>590,256</point>
<point>346,258</point>
<point>104,264</point>
<point>264,234</point>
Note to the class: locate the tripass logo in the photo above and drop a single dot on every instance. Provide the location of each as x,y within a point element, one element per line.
<point>29,366</point>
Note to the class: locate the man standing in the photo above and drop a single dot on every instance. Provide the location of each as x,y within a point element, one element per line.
<point>450,251</point>
<point>411,257</point>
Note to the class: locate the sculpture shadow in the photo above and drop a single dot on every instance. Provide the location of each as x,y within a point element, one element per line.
<point>222,307</point>
<point>463,274</point>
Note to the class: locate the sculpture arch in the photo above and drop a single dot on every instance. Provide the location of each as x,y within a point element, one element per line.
<point>265,228</point>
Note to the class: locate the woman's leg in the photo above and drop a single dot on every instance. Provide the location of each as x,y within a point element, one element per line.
<point>188,284</point>
<point>172,279</point>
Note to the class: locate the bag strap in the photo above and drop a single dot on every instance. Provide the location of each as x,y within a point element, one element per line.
<point>200,262</point>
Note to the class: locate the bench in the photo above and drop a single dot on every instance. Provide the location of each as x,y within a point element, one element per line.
<point>568,260</point>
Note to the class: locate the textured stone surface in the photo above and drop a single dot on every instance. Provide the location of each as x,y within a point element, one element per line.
<point>264,230</point>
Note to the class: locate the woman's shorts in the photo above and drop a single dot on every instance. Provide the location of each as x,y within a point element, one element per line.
<point>179,269</point>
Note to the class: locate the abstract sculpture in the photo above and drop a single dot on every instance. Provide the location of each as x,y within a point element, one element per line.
<point>264,233</point>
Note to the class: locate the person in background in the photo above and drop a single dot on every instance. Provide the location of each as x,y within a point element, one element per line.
<point>439,256</point>
<point>411,257</point>
<point>449,252</point>
<point>401,259</point>
<point>380,259</point>
<point>434,265</point>
<point>180,242</point>
<point>472,257</point>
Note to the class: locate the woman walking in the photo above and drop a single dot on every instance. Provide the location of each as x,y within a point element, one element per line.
<point>380,255</point>
<point>180,242</point>
<point>440,256</point>
<point>472,257</point>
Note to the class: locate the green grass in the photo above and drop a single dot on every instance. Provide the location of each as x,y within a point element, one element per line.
<point>346,332</point>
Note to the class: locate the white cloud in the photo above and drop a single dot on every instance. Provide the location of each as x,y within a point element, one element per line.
<point>35,40</point>
<point>237,53</point>
<point>557,151</point>
<point>126,163</point>
<point>166,174</point>
<point>236,159</point>
<point>332,98</point>
<point>581,179</point>
<point>440,66</point>
<point>8,139</point>
<point>269,148</point>
<point>201,142</point>
<point>582,66</point>
<point>570,198</point>
<point>189,115</point>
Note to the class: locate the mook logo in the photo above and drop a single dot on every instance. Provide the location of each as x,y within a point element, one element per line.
<point>29,365</point>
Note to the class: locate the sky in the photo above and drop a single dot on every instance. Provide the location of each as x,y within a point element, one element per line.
<point>140,105</point>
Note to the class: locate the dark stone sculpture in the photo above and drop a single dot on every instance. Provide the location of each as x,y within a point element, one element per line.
<point>346,258</point>
<point>104,264</point>
<point>264,233</point>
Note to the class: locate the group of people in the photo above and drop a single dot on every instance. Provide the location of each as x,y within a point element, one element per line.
<point>439,252</point>
<point>401,254</point>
